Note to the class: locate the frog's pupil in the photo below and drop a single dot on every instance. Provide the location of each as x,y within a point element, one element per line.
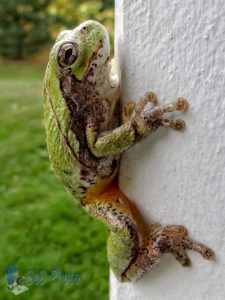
<point>68,53</point>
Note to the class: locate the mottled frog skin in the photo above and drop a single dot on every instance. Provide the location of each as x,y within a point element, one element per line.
<point>85,137</point>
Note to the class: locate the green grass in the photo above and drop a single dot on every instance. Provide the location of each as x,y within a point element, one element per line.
<point>40,225</point>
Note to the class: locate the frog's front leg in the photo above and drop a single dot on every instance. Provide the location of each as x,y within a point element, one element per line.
<point>140,125</point>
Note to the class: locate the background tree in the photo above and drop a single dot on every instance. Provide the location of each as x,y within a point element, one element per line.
<point>69,13</point>
<point>27,25</point>
<point>23,27</point>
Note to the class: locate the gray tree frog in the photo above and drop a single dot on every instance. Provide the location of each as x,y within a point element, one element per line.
<point>85,138</point>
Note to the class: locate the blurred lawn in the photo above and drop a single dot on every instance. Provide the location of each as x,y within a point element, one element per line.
<point>40,226</point>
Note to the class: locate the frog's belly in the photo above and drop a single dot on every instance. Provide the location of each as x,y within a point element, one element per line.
<point>97,180</point>
<point>82,173</point>
<point>86,182</point>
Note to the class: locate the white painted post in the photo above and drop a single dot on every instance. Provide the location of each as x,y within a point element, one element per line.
<point>177,48</point>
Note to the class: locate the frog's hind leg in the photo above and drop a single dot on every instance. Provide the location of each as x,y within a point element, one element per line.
<point>111,208</point>
<point>172,239</point>
<point>131,251</point>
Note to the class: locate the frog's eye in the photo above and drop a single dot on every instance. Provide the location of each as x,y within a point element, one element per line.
<point>67,54</point>
<point>84,29</point>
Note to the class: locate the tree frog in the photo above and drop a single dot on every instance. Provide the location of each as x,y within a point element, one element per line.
<point>86,134</point>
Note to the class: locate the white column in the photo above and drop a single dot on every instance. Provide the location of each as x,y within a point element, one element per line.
<point>177,48</point>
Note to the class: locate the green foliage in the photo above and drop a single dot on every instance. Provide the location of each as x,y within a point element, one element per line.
<point>70,13</point>
<point>41,226</point>
<point>27,25</point>
<point>108,4</point>
<point>23,27</point>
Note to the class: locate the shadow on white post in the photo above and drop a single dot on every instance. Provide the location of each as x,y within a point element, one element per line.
<point>177,48</point>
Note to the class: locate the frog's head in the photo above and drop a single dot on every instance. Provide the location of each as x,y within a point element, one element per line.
<point>78,48</point>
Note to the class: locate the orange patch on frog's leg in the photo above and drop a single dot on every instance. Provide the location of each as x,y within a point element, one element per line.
<point>107,189</point>
<point>96,190</point>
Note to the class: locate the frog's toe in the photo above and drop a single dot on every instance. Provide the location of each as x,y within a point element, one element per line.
<point>177,124</point>
<point>128,110</point>
<point>175,231</point>
<point>151,97</point>
<point>208,253</point>
<point>181,256</point>
<point>181,104</point>
<point>203,250</point>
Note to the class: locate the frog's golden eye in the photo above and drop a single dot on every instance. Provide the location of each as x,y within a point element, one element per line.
<point>67,54</point>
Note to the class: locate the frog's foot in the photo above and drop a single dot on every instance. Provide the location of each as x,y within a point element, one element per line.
<point>175,239</point>
<point>132,109</point>
<point>171,231</point>
<point>180,105</point>
<point>172,239</point>
<point>150,120</point>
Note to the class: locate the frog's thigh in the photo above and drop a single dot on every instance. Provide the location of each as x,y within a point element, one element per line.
<point>111,209</point>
